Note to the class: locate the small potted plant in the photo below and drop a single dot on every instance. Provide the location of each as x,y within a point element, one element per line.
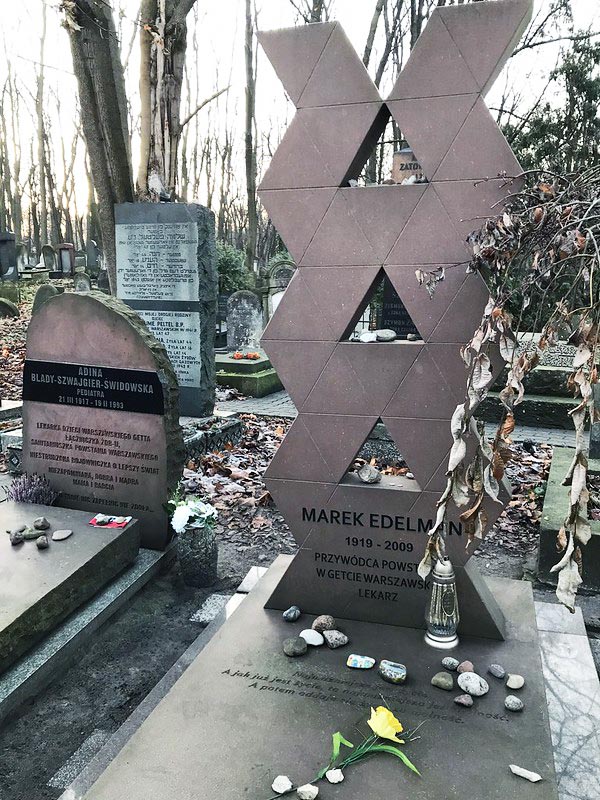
<point>197,549</point>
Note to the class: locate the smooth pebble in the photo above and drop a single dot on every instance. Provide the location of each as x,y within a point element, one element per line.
<point>525,773</point>
<point>392,671</point>
<point>355,661</point>
<point>307,792</point>
<point>513,703</point>
<point>497,670</point>
<point>450,663</point>
<point>465,666</point>
<point>472,683</point>
<point>292,614</point>
<point>295,646</point>
<point>59,536</point>
<point>311,637</point>
<point>515,681</point>
<point>41,524</point>
<point>443,680</point>
<point>42,542</point>
<point>281,784</point>
<point>464,700</point>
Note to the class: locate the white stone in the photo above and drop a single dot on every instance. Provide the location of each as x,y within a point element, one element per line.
<point>334,775</point>
<point>281,784</point>
<point>58,536</point>
<point>312,637</point>
<point>525,773</point>
<point>368,336</point>
<point>515,682</point>
<point>473,684</point>
<point>308,791</point>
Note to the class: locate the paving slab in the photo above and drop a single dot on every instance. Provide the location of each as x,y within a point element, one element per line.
<point>285,710</point>
<point>40,588</point>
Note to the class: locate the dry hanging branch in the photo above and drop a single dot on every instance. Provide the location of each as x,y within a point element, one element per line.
<point>542,252</point>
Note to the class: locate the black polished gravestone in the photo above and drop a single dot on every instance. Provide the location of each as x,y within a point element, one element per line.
<point>100,411</point>
<point>40,588</point>
<point>166,271</point>
<point>394,315</point>
<point>243,713</point>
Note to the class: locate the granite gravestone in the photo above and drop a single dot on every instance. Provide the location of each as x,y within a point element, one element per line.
<point>8,257</point>
<point>360,546</point>
<point>166,271</point>
<point>100,416</point>
<point>244,321</point>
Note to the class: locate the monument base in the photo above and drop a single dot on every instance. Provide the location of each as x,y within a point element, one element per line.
<point>243,713</point>
<point>255,378</point>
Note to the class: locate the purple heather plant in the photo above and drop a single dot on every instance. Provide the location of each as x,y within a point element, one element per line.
<point>32,489</point>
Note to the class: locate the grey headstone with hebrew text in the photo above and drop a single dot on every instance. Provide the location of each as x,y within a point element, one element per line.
<point>244,321</point>
<point>166,271</point>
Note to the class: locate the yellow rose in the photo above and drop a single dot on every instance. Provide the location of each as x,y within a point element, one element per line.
<point>385,724</point>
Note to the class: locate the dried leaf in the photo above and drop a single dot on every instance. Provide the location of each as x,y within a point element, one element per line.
<point>425,565</point>
<point>578,482</point>
<point>582,355</point>
<point>490,484</point>
<point>457,454</point>
<point>569,581</point>
<point>482,374</point>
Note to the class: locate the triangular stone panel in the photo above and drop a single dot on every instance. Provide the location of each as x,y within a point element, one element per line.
<point>381,211</point>
<point>296,214</point>
<point>339,293</point>
<point>423,392</point>
<point>339,76</point>
<point>294,53</point>
<point>298,364</point>
<point>298,316</point>
<point>463,313</point>
<point>290,497</point>
<point>478,151</point>
<point>339,438</point>
<point>424,443</point>
<point>498,25</point>
<point>429,237</point>
<point>435,67</point>
<point>468,203</point>
<point>298,456</point>
<point>430,125</point>
<point>338,390</point>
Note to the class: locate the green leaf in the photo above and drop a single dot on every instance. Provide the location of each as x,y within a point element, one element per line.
<point>394,751</point>
<point>338,740</point>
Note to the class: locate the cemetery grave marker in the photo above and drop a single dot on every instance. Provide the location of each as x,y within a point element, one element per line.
<point>244,321</point>
<point>100,416</point>
<point>166,271</point>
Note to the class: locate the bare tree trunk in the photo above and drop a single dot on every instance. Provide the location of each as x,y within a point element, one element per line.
<point>99,73</point>
<point>250,146</point>
<point>39,108</point>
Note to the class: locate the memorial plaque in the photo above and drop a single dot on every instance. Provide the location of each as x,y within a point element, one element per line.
<point>359,546</point>
<point>100,416</point>
<point>166,271</point>
<point>394,315</point>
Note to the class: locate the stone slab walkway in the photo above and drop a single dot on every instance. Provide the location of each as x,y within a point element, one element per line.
<point>280,404</point>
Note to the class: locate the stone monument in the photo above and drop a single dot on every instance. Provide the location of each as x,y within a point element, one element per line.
<point>166,271</point>
<point>286,709</point>
<point>100,415</point>
<point>244,321</point>
<point>360,545</point>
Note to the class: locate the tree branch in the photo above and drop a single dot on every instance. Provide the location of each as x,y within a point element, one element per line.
<point>578,37</point>
<point>201,106</point>
<point>180,12</point>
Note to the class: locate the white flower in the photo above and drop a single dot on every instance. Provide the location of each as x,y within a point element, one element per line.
<point>334,775</point>
<point>180,518</point>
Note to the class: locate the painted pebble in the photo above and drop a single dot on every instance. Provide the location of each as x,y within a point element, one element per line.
<point>311,637</point>
<point>497,670</point>
<point>281,784</point>
<point>324,623</point>
<point>513,703</point>
<point>466,666</point>
<point>292,614</point>
<point>474,684</point>
<point>59,536</point>
<point>42,542</point>
<point>450,663</point>
<point>335,639</point>
<point>294,647</point>
<point>392,671</point>
<point>41,524</point>
<point>515,681</point>
<point>360,662</point>
<point>443,680</point>
<point>464,700</point>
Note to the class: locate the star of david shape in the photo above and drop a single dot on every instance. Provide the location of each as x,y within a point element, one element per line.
<point>344,239</point>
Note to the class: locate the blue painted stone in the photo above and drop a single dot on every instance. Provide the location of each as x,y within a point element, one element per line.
<point>360,662</point>
<point>392,672</point>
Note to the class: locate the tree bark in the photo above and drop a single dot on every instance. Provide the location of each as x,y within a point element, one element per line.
<point>250,146</point>
<point>99,72</point>
<point>39,108</point>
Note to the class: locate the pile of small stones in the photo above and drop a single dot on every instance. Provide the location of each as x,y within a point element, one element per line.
<point>473,685</point>
<point>322,631</point>
<point>38,531</point>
